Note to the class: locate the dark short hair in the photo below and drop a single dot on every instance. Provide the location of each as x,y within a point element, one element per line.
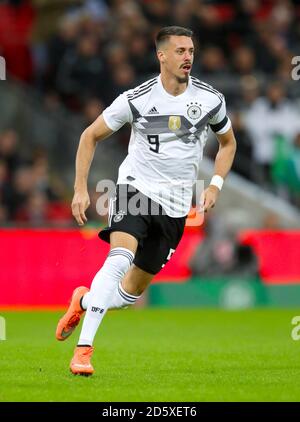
<point>165,33</point>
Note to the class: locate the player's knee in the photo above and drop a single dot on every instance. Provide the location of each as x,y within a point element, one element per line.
<point>118,261</point>
<point>124,240</point>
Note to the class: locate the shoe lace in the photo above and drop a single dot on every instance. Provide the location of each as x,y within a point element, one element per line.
<point>86,354</point>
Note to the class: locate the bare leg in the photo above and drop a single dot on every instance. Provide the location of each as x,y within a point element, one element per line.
<point>123,240</point>
<point>136,280</point>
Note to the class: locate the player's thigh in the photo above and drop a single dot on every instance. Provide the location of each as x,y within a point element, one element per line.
<point>152,255</point>
<point>120,239</point>
<point>136,280</point>
<point>159,246</point>
<point>125,229</point>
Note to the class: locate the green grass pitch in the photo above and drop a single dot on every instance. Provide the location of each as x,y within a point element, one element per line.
<point>156,355</point>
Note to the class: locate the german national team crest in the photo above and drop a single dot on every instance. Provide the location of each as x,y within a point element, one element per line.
<point>194,111</point>
<point>119,216</point>
<point>174,123</point>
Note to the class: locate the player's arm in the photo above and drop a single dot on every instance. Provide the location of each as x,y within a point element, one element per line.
<point>96,132</point>
<point>223,163</point>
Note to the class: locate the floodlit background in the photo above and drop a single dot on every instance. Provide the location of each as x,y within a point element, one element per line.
<point>221,321</point>
<point>65,62</point>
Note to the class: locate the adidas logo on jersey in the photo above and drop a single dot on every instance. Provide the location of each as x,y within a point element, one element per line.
<point>153,111</point>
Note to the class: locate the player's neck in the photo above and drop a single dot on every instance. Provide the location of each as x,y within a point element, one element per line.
<point>172,85</point>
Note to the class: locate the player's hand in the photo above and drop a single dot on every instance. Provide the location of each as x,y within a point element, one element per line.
<point>209,198</point>
<point>80,203</point>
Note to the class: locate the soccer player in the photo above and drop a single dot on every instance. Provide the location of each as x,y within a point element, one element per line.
<point>169,115</point>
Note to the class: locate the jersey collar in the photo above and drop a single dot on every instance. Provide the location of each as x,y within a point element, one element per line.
<point>172,97</point>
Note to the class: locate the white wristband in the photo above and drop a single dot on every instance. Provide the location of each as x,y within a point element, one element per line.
<point>217,181</point>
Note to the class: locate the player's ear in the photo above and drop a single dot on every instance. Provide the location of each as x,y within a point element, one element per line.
<point>160,56</point>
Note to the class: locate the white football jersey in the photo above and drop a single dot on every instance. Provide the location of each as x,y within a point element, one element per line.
<point>167,138</point>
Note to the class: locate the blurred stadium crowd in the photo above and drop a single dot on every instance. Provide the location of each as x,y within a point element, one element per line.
<point>87,52</point>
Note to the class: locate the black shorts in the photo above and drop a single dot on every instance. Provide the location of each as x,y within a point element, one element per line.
<point>158,235</point>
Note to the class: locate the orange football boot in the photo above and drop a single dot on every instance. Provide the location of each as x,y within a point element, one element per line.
<point>81,362</point>
<point>67,324</point>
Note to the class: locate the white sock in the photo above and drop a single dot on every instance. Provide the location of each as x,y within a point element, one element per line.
<point>120,299</point>
<point>102,290</point>
<point>85,300</point>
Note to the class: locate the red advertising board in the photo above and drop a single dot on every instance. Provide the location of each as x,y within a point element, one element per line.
<point>41,267</point>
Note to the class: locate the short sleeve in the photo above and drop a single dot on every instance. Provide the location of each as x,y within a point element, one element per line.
<point>118,113</point>
<point>220,123</point>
